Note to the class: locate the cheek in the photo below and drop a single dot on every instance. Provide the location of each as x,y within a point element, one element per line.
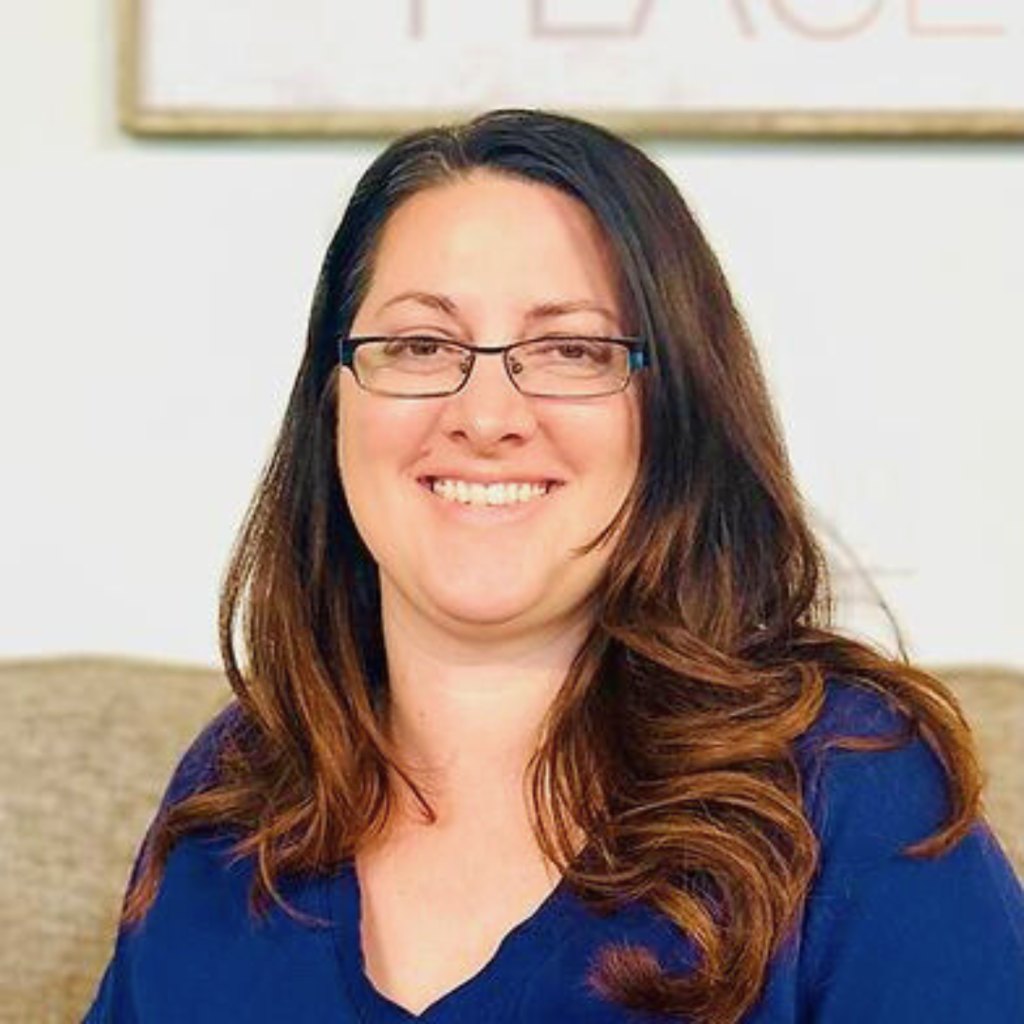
<point>608,445</point>
<point>359,445</point>
<point>362,456</point>
<point>376,439</point>
<point>631,432</point>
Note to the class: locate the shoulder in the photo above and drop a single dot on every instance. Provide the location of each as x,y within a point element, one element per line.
<point>893,796</point>
<point>852,708</point>
<point>196,770</point>
<point>868,806</point>
<point>197,767</point>
<point>875,911</point>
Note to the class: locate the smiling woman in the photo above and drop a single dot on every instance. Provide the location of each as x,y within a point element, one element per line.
<point>497,253</point>
<point>542,715</point>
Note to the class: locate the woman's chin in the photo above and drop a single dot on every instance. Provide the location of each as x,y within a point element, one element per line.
<point>488,605</point>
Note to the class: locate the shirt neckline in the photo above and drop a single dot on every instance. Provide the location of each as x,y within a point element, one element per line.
<point>487,993</point>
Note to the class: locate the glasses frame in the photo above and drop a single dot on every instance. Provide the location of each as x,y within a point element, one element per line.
<point>638,359</point>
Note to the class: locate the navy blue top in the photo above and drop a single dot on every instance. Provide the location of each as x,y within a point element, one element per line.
<point>883,938</point>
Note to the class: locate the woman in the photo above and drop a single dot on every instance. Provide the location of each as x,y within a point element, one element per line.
<point>541,716</point>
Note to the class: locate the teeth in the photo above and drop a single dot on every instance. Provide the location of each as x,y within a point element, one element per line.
<point>511,493</point>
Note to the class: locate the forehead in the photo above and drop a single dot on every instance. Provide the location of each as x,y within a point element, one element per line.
<point>497,238</point>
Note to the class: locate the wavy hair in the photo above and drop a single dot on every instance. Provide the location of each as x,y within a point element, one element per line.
<point>670,743</point>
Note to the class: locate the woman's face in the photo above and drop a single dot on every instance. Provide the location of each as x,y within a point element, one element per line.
<point>494,248</point>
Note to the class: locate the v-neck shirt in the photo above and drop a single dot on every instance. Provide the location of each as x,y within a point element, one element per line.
<point>882,937</point>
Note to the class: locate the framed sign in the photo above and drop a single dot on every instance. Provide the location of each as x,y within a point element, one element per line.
<point>643,67</point>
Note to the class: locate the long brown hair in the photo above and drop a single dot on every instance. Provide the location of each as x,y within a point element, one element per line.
<point>671,742</point>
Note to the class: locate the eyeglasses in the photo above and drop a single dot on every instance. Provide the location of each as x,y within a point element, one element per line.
<point>555,366</point>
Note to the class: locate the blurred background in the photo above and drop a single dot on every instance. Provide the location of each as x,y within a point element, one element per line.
<point>155,298</point>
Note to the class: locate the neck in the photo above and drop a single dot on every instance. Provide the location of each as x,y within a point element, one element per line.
<point>467,716</point>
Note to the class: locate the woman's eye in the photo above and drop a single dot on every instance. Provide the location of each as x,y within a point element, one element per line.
<point>575,349</point>
<point>417,344</point>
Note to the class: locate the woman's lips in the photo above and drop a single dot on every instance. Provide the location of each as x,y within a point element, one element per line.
<point>429,481</point>
<point>469,512</point>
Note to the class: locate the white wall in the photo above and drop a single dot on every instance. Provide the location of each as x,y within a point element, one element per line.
<point>155,295</point>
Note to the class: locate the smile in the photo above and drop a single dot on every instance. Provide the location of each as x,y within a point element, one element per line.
<point>506,495</point>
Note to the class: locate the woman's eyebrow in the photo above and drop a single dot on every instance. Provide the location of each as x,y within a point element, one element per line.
<point>542,311</point>
<point>430,299</point>
<point>549,309</point>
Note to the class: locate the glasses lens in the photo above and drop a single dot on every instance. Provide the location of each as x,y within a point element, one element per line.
<point>570,366</point>
<point>410,366</point>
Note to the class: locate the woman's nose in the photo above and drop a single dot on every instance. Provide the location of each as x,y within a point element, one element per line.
<point>489,407</point>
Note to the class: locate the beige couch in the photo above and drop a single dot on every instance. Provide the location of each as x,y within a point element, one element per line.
<point>88,745</point>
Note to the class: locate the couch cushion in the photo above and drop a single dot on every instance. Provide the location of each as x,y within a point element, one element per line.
<point>89,745</point>
<point>993,701</point>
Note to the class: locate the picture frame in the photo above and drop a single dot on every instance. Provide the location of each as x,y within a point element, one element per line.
<point>682,68</point>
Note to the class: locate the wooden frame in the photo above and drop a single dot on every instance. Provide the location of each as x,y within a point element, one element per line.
<point>984,101</point>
